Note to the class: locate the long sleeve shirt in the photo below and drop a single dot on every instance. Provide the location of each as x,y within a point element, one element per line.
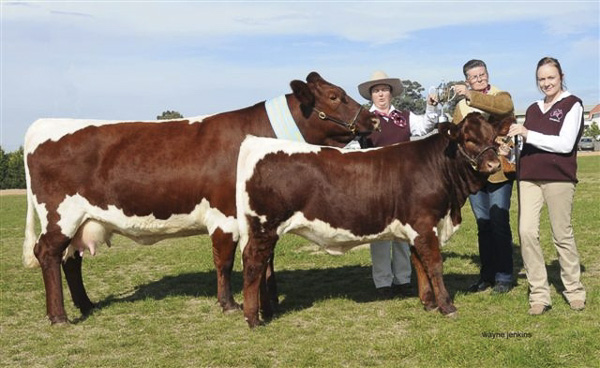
<point>566,138</point>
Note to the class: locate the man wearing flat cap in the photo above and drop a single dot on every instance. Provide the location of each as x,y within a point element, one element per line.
<point>391,259</point>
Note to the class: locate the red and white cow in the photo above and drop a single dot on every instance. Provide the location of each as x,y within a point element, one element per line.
<point>154,180</point>
<point>341,198</point>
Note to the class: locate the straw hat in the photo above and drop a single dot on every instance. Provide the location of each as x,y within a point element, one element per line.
<point>380,77</point>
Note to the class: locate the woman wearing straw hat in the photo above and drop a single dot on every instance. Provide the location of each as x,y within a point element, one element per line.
<point>391,259</point>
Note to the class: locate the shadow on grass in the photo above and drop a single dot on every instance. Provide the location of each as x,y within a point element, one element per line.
<point>298,289</point>
<point>186,284</point>
<point>301,289</point>
<point>472,258</point>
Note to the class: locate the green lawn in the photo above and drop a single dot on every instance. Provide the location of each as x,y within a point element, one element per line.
<point>158,307</point>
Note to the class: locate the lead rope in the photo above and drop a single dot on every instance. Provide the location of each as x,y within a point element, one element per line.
<point>518,180</point>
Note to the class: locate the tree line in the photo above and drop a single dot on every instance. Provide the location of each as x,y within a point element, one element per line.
<point>12,169</point>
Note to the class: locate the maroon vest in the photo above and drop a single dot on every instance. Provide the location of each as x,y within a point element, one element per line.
<point>390,133</point>
<point>540,165</point>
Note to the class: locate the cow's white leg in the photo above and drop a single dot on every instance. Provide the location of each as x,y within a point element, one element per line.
<point>49,251</point>
<point>223,257</point>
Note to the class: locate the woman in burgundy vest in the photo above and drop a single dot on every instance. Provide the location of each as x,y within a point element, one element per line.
<point>547,173</point>
<point>391,259</point>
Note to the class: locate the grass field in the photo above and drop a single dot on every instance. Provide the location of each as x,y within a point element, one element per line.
<point>157,307</point>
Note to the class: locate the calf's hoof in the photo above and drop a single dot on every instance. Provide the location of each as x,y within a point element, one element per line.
<point>453,315</point>
<point>449,311</point>
<point>429,305</point>
<point>232,310</point>
<point>231,307</point>
<point>59,320</point>
<point>431,308</point>
<point>254,322</point>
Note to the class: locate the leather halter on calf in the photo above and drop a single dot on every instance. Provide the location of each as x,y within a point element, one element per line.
<point>474,161</point>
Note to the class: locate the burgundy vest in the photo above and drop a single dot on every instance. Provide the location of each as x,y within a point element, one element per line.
<point>540,165</point>
<point>390,133</point>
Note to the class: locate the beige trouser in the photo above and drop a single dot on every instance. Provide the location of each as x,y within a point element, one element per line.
<point>559,199</point>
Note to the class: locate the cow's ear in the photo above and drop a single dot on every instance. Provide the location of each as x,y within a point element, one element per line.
<point>449,130</point>
<point>303,93</point>
<point>313,77</point>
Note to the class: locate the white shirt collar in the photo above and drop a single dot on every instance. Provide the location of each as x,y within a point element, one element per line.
<point>563,95</point>
<point>373,108</point>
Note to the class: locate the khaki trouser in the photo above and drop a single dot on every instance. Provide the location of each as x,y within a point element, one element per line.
<point>559,200</point>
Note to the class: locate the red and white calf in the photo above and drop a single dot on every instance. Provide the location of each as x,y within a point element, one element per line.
<point>341,198</point>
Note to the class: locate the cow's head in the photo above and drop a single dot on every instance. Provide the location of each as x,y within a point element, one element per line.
<point>329,103</point>
<point>476,142</point>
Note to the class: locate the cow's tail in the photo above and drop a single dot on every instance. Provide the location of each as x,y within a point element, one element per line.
<point>29,259</point>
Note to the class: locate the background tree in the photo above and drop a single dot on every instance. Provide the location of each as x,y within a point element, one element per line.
<point>12,169</point>
<point>412,98</point>
<point>169,115</point>
<point>592,130</point>
<point>3,168</point>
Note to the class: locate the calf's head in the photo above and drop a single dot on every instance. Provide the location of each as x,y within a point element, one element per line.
<point>475,140</point>
<point>330,104</point>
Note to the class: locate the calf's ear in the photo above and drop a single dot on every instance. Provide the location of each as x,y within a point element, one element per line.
<point>504,125</point>
<point>450,130</point>
<point>303,93</point>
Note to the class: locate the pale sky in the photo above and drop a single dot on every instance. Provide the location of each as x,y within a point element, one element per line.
<point>132,60</point>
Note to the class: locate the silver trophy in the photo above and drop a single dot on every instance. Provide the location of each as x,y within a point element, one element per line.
<point>444,93</point>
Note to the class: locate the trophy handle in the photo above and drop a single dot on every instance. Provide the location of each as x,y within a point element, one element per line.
<point>453,93</point>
